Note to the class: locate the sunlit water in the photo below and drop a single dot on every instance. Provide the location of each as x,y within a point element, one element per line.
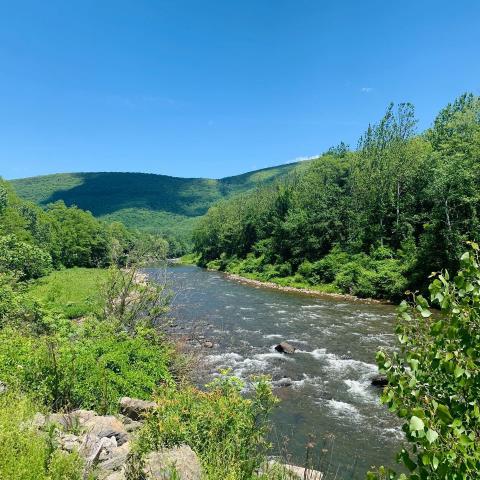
<point>330,396</point>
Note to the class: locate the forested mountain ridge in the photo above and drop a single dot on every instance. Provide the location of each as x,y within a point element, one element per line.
<point>372,222</point>
<point>150,202</point>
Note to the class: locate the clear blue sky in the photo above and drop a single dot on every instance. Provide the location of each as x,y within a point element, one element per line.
<point>218,87</point>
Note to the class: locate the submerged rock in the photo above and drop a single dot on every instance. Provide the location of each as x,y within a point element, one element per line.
<point>380,380</point>
<point>283,382</point>
<point>284,347</point>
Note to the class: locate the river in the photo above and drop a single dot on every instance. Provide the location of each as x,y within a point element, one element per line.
<point>330,396</point>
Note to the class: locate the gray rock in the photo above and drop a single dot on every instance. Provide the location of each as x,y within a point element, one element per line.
<point>114,458</point>
<point>135,408</point>
<point>120,475</point>
<point>208,344</point>
<point>160,465</point>
<point>107,426</point>
<point>283,382</point>
<point>291,472</point>
<point>3,388</point>
<point>285,347</point>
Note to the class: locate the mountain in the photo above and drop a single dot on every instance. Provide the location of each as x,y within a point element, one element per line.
<point>150,202</point>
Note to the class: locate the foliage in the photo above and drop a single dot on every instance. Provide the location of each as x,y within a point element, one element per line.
<point>434,380</point>
<point>25,452</point>
<point>223,427</point>
<point>158,204</point>
<point>73,292</point>
<point>412,197</point>
<point>25,260</point>
<point>84,366</point>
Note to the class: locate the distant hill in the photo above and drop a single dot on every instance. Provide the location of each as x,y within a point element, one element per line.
<point>156,203</point>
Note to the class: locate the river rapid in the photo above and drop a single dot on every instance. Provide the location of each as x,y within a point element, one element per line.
<point>329,396</point>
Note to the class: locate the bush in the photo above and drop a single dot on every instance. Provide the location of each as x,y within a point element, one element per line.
<point>25,452</point>
<point>224,428</point>
<point>434,378</point>
<point>25,260</point>
<point>88,366</point>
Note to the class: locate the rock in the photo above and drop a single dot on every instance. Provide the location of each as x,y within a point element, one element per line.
<point>114,458</point>
<point>285,347</point>
<point>120,475</point>
<point>159,465</point>
<point>135,408</point>
<point>283,382</point>
<point>107,426</point>
<point>208,344</point>
<point>3,388</point>
<point>380,381</point>
<point>291,472</point>
<point>69,442</point>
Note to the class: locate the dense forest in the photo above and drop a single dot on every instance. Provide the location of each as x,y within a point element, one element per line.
<point>372,222</point>
<point>158,204</point>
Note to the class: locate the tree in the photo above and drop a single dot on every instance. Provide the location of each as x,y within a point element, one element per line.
<point>434,380</point>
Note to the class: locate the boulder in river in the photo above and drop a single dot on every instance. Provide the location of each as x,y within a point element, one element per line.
<point>380,380</point>
<point>284,347</point>
<point>283,382</point>
<point>208,344</point>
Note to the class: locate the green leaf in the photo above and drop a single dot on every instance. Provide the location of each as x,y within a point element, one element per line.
<point>416,424</point>
<point>432,435</point>
<point>444,413</point>
<point>459,371</point>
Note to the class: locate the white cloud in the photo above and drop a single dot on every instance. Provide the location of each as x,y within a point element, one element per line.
<point>366,89</point>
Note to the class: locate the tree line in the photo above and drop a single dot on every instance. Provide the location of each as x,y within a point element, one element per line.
<point>373,222</point>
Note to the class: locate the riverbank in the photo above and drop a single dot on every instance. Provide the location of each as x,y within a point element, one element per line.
<point>305,291</point>
<point>284,284</point>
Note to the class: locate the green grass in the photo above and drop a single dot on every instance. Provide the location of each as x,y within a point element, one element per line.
<point>75,292</point>
<point>189,259</point>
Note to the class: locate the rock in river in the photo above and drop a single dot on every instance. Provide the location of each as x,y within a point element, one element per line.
<point>285,347</point>
<point>380,381</point>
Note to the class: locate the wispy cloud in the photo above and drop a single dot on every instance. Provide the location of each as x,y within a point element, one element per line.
<point>366,89</point>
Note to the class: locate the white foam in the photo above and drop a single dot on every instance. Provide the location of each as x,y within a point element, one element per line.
<point>342,408</point>
<point>360,389</point>
<point>282,311</point>
<point>272,335</point>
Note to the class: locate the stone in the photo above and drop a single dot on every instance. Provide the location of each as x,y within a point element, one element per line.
<point>283,382</point>
<point>159,465</point>
<point>120,475</point>
<point>3,388</point>
<point>380,380</point>
<point>107,426</point>
<point>208,344</point>
<point>134,408</point>
<point>292,472</point>
<point>285,347</point>
<point>114,458</point>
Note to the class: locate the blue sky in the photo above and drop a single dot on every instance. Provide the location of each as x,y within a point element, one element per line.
<point>215,88</point>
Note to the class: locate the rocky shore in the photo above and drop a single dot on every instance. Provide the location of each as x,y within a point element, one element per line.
<point>305,291</point>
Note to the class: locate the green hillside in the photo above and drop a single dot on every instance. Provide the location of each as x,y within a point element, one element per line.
<point>157,203</point>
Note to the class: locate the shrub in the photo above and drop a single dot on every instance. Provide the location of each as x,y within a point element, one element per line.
<point>26,260</point>
<point>25,452</point>
<point>434,379</point>
<point>224,428</point>
<point>89,366</point>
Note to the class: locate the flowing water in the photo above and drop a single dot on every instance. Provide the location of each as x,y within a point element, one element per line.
<point>330,395</point>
